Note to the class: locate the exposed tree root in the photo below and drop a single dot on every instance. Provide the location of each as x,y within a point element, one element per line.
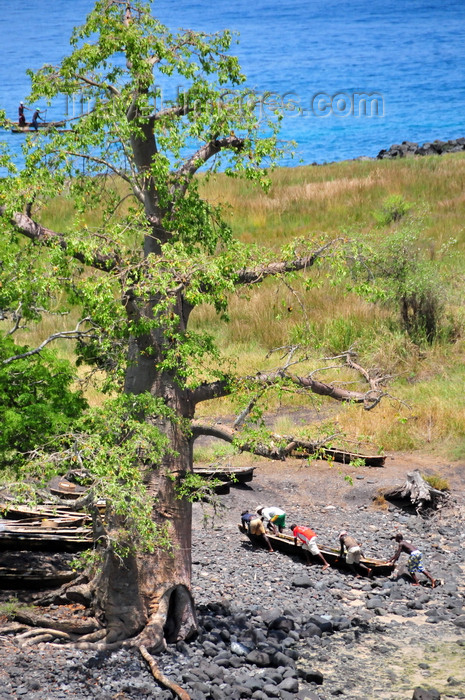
<point>94,636</point>
<point>38,639</point>
<point>52,597</point>
<point>70,626</point>
<point>35,635</point>
<point>14,627</point>
<point>161,678</point>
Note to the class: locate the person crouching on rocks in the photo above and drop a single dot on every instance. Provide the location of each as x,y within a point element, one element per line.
<point>275,518</point>
<point>254,526</point>
<point>308,539</point>
<point>415,560</point>
<point>354,553</point>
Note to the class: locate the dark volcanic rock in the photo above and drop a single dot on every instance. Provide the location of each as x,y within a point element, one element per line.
<point>423,694</point>
<point>408,149</point>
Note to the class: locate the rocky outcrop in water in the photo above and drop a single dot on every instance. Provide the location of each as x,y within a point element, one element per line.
<point>407,149</point>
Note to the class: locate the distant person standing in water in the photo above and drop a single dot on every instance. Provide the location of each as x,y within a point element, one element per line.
<point>35,117</point>
<point>415,560</point>
<point>21,117</point>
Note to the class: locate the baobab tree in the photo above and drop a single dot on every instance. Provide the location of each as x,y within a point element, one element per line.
<point>140,249</point>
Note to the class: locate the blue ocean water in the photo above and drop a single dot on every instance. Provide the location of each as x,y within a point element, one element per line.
<point>360,75</point>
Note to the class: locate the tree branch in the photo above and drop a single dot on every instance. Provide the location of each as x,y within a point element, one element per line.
<point>40,234</point>
<point>185,173</point>
<point>279,447</point>
<point>369,399</point>
<point>70,335</point>
<point>101,86</point>
<point>101,161</point>
<point>276,449</point>
<point>258,274</point>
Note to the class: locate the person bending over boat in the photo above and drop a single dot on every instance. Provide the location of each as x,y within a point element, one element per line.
<point>353,555</point>
<point>254,526</point>
<point>415,560</point>
<point>308,539</point>
<point>275,518</point>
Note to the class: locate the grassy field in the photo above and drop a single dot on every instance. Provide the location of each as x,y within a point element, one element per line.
<point>426,406</point>
<point>373,203</point>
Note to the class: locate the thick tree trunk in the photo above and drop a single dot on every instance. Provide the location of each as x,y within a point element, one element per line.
<point>145,594</point>
<point>149,594</point>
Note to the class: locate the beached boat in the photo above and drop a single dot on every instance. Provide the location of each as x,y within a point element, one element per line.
<point>66,489</point>
<point>232,474</point>
<point>337,455</point>
<point>286,544</point>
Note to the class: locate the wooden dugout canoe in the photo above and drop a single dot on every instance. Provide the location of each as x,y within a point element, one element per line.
<point>286,544</point>
<point>238,474</point>
<point>340,456</point>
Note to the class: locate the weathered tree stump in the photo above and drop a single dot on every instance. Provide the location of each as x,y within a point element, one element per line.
<point>420,494</point>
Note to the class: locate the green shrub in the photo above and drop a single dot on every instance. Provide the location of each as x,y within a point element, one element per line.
<point>393,209</point>
<point>436,482</point>
<point>36,400</point>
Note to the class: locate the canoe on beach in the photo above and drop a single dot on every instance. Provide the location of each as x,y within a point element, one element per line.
<point>286,545</point>
<point>232,474</point>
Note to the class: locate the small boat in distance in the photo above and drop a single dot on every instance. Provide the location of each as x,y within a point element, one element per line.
<point>27,129</point>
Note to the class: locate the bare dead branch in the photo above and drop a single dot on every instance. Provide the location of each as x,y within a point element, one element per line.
<point>369,398</point>
<point>70,335</point>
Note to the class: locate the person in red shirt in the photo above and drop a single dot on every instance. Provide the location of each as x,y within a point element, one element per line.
<point>308,539</point>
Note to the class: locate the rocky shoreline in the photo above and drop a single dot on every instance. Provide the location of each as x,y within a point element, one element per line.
<point>431,148</point>
<point>273,628</point>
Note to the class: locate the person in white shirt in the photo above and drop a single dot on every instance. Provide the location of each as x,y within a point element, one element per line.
<point>274,517</point>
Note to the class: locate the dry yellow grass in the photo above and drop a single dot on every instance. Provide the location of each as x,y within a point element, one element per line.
<point>334,199</point>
